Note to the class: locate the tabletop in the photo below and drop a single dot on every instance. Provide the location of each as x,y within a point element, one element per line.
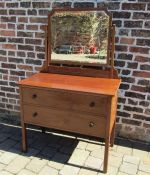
<point>105,86</point>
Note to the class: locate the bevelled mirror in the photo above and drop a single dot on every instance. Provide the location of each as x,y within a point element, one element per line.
<point>79,36</point>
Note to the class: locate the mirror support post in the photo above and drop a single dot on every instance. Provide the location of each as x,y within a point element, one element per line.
<point>112,49</point>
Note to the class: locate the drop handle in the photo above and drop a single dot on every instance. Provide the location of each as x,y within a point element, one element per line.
<point>91,124</point>
<point>92,104</point>
<point>34,114</point>
<point>34,96</point>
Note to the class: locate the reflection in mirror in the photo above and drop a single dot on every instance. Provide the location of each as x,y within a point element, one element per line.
<point>79,36</point>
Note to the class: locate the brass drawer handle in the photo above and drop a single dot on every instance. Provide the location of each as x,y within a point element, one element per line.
<point>34,96</point>
<point>91,124</point>
<point>92,104</point>
<point>34,114</point>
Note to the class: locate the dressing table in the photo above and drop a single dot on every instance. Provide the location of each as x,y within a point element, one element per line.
<point>76,90</point>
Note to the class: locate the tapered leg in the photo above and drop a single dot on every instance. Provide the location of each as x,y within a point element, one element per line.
<point>24,138</point>
<point>105,166</point>
<point>112,136</point>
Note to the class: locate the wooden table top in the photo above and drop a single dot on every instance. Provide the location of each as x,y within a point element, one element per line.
<point>103,86</point>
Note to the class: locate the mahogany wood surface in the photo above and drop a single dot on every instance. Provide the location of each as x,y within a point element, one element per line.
<point>66,100</point>
<point>80,71</point>
<point>102,86</point>
<point>65,120</point>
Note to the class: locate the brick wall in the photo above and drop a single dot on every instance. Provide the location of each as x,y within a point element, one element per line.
<point>22,25</point>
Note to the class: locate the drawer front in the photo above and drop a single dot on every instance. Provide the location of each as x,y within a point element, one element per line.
<point>65,120</point>
<point>66,100</point>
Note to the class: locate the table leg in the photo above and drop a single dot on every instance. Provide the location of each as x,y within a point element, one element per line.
<point>24,138</point>
<point>112,136</point>
<point>105,166</point>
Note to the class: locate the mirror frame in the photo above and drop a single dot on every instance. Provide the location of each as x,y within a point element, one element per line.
<point>110,45</point>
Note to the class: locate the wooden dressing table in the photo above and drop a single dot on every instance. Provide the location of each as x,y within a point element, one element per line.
<point>70,98</point>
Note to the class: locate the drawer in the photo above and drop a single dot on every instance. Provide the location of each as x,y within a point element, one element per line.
<point>65,120</point>
<point>67,100</point>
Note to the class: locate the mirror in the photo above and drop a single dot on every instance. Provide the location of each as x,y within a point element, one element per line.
<point>79,36</point>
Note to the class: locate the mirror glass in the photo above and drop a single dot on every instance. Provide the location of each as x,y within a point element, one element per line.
<point>79,36</point>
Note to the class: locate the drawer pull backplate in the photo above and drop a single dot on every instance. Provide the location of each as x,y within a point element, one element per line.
<point>91,124</point>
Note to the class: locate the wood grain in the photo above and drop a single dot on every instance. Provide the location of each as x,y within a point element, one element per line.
<point>66,100</point>
<point>65,120</point>
<point>102,86</point>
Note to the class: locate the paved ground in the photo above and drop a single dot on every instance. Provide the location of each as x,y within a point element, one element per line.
<point>51,154</point>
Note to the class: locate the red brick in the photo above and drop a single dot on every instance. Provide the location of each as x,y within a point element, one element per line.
<point>2,39</point>
<point>132,65</point>
<point>7,33</point>
<point>25,67</point>
<point>23,19</point>
<point>25,4</point>
<point>38,20</point>
<point>127,40</point>
<point>134,6</point>
<point>147,24</point>
<point>20,26</point>
<point>141,33</point>
<point>143,42</point>
<point>41,4</point>
<point>148,7</point>
<point>43,12</point>
<point>141,15</point>
<point>5,77</point>
<point>143,82</point>
<point>139,50</point>
<point>141,117</point>
<point>142,59</point>
<point>8,19</point>
<point>32,12</point>
<point>132,122</point>
<point>32,27</point>
<point>13,4</point>
<point>28,74</point>
<point>145,67</point>
<point>33,41</point>
<point>43,27</point>
<point>121,15</point>
<point>140,88</point>
<point>133,24</point>
<point>2,26</point>
<point>2,4</point>
<point>17,12</point>
<point>141,74</point>
<point>68,4</point>
<point>8,65</point>
<point>3,59</point>
<point>121,48</point>
<point>9,46</point>
<point>11,26</point>
<point>3,12</point>
<point>13,78</point>
<point>39,35</point>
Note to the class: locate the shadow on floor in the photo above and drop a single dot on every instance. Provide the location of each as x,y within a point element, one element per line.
<point>51,146</point>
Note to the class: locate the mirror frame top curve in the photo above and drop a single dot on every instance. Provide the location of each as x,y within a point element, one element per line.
<point>110,42</point>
